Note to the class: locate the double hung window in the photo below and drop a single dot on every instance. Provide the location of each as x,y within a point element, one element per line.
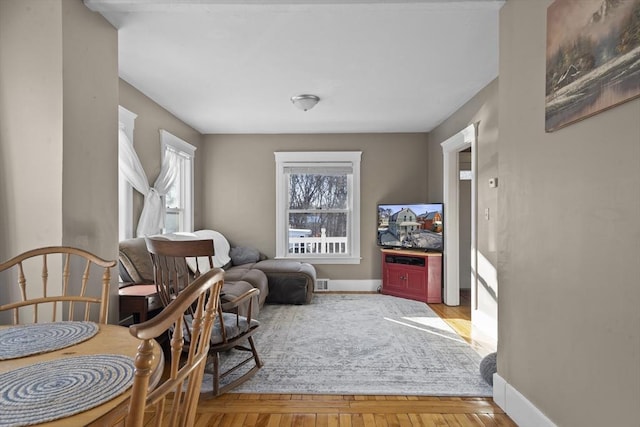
<point>318,206</point>
<point>178,201</point>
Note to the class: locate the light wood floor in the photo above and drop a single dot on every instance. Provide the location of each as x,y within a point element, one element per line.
<point>286,410</point>
<point>459,318</point>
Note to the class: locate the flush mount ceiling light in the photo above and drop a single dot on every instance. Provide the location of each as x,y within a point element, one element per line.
<point>305,102</point>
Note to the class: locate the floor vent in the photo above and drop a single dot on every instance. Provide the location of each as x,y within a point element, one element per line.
<point>322,285</point>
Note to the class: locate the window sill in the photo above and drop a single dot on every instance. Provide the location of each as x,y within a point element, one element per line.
<point>323,260</point>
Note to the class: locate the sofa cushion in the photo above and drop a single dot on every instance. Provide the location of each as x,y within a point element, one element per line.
<point>135,261</point>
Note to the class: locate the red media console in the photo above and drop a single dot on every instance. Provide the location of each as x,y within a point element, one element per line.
<point>412,274</point>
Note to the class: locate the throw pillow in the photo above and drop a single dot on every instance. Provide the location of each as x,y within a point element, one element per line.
<point>243,255</point>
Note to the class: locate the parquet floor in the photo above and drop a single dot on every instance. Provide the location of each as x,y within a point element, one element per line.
<point>285,410</point>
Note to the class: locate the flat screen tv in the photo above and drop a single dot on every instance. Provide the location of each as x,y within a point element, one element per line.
<point>417,226</point>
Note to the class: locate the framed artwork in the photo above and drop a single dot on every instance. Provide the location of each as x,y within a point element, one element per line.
<point>593,58</point>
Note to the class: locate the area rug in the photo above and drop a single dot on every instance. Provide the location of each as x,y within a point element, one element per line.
<point>363,344</point>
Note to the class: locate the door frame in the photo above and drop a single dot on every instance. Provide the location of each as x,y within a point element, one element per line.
<point>466,138</point>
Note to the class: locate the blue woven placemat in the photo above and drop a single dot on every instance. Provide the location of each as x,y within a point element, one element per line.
<point>60,388</point>
<point>27,340</point>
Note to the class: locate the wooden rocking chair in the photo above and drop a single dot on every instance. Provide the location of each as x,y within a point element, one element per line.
<point>175,264</point>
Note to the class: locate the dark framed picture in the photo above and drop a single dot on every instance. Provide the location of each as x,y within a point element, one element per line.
<point>593,58</point>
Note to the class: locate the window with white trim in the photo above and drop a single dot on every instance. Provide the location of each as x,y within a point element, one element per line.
<point>125,191</point>
<point>318,206</point>
<point>178,201</point>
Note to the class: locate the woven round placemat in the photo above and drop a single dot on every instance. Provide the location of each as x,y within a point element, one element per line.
<point>60,388</point>
<point>27,340</point>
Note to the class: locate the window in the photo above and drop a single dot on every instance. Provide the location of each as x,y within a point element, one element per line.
<point>318,206</point>
<point>178,201</point>
<point>125,190</point>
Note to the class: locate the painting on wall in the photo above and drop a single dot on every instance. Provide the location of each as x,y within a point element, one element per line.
<point>593,58</point>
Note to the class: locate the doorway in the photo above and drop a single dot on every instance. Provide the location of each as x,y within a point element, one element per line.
<point>463,140</point>
<point>464,225</point>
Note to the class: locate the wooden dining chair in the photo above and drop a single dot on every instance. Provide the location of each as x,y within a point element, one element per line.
<point>175,263</point>
<point>174,401</point>
<point>56,283</point>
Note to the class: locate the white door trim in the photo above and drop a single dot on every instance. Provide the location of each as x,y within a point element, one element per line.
<point>451,180</point>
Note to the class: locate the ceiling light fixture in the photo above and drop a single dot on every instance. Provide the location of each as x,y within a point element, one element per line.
<point>305,102</point>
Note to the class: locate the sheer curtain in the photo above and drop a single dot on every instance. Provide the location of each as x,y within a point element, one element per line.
<point>152,217</point>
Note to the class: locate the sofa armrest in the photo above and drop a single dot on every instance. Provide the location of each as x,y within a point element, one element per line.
<point>232,304</point>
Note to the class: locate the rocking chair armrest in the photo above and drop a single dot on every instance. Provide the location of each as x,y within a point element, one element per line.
<point>235,302</point>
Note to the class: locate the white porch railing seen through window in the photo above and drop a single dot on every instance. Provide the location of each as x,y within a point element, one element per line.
<point>318,245</point>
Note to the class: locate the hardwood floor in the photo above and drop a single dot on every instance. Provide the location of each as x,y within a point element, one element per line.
<point>287,410</point>
<point>273,410</point>
<point>459,318</point>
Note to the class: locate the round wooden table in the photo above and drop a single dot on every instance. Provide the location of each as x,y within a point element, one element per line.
<point>110,339</point>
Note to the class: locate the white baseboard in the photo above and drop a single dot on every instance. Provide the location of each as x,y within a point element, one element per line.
<point>499,390</point>
<point>352,286</point>
<point>518,407</point>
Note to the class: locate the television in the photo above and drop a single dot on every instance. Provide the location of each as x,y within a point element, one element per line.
<point>417,226</point>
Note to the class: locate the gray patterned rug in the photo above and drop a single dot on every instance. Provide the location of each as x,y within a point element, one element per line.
<point>366,344</point>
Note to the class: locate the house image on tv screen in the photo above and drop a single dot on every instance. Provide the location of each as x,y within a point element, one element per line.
<point>412,226</point>
<point>403,223</point>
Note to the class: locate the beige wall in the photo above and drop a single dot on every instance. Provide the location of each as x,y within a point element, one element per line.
<point>58,81</point>
<point>569,239</point>
<point>146,141</point>
<point>240,186</point>
<point>90,151</point>
<point>483,110</point>
<point>30,122</point>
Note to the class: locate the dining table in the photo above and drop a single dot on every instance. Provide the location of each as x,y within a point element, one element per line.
<point>75,385</point>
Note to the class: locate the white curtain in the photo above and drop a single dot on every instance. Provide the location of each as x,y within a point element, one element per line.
<point>152,218</point>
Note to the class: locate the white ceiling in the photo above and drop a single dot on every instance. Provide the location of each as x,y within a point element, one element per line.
<point>378,66</point>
